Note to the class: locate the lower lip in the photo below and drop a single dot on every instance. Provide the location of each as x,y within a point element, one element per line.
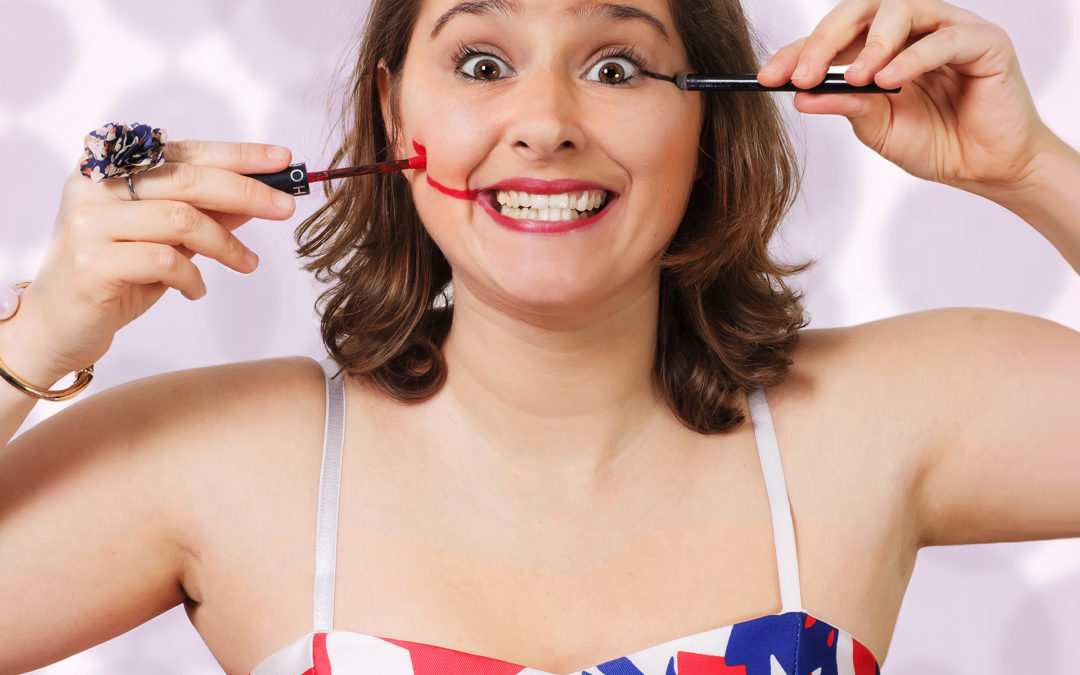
<point>541,226</point>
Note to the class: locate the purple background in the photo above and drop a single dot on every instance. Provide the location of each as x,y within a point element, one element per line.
<point>264,70</point>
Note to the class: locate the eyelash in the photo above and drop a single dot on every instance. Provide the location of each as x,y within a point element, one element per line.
<point>625,52</point>
<point>464,52</point>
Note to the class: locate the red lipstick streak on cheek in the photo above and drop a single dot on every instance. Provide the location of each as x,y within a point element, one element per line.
<point>467,195</point>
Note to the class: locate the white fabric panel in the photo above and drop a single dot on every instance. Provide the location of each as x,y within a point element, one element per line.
<point>292,660</point>
<point>845,655</point>
<point>354,654</point>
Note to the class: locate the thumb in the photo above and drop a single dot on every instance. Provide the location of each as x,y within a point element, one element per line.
<point>870,114</point>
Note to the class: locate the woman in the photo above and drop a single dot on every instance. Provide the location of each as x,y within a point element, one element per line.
<point>550,480</point>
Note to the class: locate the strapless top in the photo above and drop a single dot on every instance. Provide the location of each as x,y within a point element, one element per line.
<point>792,643</point>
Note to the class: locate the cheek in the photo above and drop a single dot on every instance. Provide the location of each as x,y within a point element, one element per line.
<point>657,143</point>
<point>457,131</point>
<point>669,133</point>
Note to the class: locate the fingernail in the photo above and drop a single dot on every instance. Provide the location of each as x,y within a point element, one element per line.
<point>276,153</point>
<point>284,202</point>
<point>857,66</point>
<point>802,71</point>
<point>251,259</point>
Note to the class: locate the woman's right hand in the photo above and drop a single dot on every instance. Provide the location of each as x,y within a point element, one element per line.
<point>111,257</point>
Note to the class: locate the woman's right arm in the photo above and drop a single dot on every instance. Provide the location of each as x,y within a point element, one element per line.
<point>90,541</point>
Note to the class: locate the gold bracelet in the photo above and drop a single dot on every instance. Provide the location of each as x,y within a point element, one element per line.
<point>83,379</point>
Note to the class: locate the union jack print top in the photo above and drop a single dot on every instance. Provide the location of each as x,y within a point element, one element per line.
<point>791,642</point>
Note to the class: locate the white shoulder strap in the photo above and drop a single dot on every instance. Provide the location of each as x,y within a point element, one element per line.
<point>787,561</point>
<point>326,524</point>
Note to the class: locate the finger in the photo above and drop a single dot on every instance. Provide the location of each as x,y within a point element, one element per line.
<point>897,26</point>
<point>974,49</point>
<point>236,157</point>
<point>209,188</point>
<point>181,224</point>
<point>230,221</point>
<point>176,224</point>
<point>139,263</point>
<point>888,32</point>
<point>840,27</point>
<point>777,70</point>
<point>870,115</point>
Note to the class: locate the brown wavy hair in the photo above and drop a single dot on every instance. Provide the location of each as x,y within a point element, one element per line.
<point>727,319</point>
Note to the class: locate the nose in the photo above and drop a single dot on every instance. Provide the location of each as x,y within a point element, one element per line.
<point>545,120</point>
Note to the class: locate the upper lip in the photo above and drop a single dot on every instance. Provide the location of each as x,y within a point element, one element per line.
<point>538,186</point>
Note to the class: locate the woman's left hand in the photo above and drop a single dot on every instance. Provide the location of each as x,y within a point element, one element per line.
<point>965,116</point>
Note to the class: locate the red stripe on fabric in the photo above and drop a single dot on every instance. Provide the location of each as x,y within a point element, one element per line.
<point>810,621</point>
<point>865,663</point>
<point>689,663</point>
<point>319,656</point>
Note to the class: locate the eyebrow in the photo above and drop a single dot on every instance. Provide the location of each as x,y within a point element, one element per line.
<point>585,10</point>
<point>613,10</point>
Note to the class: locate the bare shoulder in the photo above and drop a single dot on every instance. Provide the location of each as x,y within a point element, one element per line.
<point>181,407</point>
<point>137,484</point>
<point>931,395</point>
<point>178,427</point>
<point>187,401</point>
<point>909,357</point>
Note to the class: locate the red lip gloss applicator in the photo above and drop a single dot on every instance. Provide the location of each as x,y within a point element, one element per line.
<point>296,180</point>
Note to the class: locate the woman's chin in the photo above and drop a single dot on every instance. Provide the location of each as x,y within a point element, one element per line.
<point>537,294</point>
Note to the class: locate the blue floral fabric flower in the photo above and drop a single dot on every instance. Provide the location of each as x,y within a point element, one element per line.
<point>121,151</point>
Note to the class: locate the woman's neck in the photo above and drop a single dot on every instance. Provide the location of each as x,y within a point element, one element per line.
<point>570,394</point>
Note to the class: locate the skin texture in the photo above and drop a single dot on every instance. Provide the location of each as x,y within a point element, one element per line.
<point>544,508</point>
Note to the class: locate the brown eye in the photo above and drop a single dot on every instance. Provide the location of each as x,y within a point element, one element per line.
<point>613,71</point>
<point>486,70</point>
<point>483,67</point>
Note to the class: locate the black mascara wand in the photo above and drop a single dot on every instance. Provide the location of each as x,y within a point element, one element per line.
<point>834,84</point>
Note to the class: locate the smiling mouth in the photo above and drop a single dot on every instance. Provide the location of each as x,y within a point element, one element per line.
<point>566,206</point>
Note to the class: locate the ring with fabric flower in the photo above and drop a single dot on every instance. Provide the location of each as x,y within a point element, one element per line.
<point>121,151</point>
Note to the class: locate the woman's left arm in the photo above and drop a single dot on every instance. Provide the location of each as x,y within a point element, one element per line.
<point>964,117</point>
<point>986,401</point>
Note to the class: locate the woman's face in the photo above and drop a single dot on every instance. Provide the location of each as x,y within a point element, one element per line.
<point>543,97</point>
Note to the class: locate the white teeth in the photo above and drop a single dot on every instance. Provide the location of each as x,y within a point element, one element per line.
<point>565,206</point>
<point>582,201</point>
